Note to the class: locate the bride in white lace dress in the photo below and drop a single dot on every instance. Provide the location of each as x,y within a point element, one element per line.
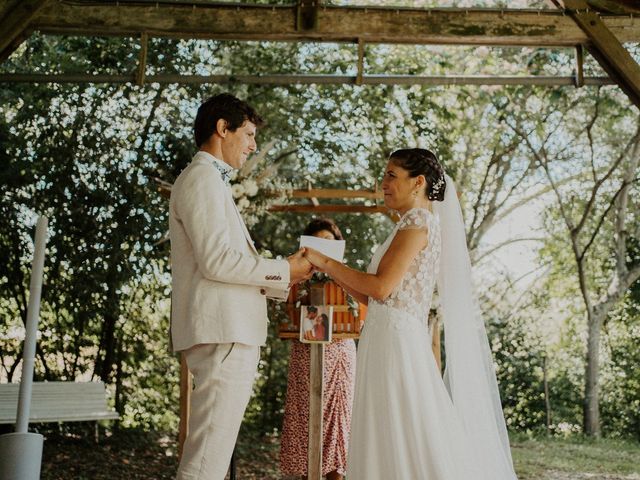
<point>408,422</point>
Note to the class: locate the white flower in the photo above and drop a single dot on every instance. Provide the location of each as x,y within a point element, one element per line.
<point>15,333</point>
<point>237,190</point>
<point>243,203</point>
<point>482,52</point>
<point>250,187</point>
<point>533,105</point>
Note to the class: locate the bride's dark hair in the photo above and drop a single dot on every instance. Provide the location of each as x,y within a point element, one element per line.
<point>323,223</point>
<point>420,161</point>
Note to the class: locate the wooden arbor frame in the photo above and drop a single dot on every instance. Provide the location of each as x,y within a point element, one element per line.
<point>600,26</point>
<point>373,199</point>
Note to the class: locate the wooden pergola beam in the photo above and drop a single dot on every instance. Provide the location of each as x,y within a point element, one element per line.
<point>607,49</point>
<point>337,193</point>
<point>169,78</point>
<point>333,23</point>
<point>15,18</point>
<point>312,21</point>
<point>615,6</point>
<point>329,209</point>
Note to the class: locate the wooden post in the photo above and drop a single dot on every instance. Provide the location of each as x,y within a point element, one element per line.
<point>185,403</point>
<point>547,403</point>
<point>316,387</point>
<point>435,343</point>
<point>307,15</point>
<point>360,74</point>
<point>607,48</point>
<point>142,59</point>
<point>579,77</point>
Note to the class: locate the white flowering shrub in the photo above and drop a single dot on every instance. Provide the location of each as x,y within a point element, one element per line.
<point>257,186</point>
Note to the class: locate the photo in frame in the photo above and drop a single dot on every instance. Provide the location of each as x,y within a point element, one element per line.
<point>316,323</point>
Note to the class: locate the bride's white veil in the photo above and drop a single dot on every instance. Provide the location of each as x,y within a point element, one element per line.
<point>469,373</point>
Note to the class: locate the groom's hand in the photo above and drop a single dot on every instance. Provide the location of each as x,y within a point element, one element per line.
<point>300,268</point>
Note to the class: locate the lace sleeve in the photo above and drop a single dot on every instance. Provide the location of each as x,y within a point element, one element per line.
<point>415,219</point>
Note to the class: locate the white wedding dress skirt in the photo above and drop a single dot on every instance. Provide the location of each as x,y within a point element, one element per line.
<point>404,425</point>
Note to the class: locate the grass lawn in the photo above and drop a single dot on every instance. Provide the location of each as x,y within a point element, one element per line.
<point>538,458</point>
<point>575,459</point>
<point>137,455</point>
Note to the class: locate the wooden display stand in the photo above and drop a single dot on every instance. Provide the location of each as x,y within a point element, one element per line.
<point>345,325</point>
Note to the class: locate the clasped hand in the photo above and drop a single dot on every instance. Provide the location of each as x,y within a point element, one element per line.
<point>300,269</point>
<point>317,259</point>
<point>304,263</point>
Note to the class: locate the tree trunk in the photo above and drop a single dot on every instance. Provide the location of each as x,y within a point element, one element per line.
<point>119,394</point>
<point>108,345</point>
<point>591,389</point>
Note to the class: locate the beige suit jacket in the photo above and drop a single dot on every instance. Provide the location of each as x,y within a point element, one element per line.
<point>217,274</point>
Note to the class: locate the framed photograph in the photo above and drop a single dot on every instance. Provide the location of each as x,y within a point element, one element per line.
<point>316,323</point>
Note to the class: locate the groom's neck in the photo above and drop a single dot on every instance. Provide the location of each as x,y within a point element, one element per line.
<point>214,148</point>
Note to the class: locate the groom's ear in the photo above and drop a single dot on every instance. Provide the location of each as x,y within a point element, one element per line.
<point>222,127</point>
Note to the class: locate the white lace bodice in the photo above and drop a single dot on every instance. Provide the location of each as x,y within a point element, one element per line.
<point>414,293</point>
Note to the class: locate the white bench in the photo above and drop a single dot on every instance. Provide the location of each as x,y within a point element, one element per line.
<point>58,402</point>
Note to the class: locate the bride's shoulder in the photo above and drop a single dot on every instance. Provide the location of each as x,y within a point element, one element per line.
<point>416,218</point>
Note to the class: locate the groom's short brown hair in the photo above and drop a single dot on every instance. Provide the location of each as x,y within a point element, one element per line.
<point>222,106</point>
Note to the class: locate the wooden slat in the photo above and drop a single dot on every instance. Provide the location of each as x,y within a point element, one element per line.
<point>334,23</point>
<point>58,401</point>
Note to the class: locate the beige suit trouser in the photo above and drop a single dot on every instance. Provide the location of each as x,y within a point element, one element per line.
<point>223,375</point>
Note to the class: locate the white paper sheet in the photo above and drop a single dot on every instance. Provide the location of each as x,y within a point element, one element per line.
<point>331,248</point>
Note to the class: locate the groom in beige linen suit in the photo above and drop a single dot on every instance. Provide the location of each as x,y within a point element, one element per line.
<point>220,285</point>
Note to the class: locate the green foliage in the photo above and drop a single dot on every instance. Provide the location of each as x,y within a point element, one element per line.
<point>75,154</point>
<point>621,386</point>
<point>86,155</point>
<point>520,360</point>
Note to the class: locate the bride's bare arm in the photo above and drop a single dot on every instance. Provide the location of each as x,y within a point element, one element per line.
<point>403,249</point>
<point>355,294</point>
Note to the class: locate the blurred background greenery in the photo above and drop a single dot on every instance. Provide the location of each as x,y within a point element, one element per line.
<point>528,161</point>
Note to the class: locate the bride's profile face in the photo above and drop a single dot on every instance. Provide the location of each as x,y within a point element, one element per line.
<point>398,187</point>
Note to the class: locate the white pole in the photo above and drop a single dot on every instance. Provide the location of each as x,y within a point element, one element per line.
<point>33,314</point>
